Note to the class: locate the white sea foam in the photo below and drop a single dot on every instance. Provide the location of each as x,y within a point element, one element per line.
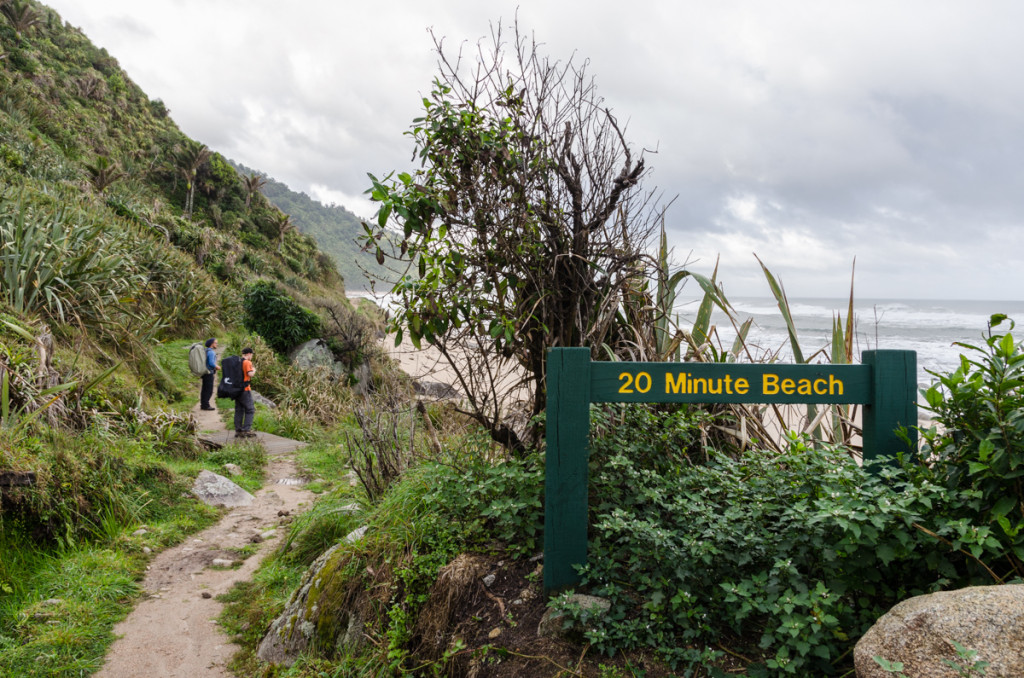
<point>929,327</point>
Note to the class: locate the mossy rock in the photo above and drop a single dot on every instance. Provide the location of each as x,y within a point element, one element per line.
<point>323,614</point>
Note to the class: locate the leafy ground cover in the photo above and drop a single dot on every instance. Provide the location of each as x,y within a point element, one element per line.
<point>727,562</point>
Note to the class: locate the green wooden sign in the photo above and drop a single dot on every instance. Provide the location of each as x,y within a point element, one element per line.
<point>885,383</point>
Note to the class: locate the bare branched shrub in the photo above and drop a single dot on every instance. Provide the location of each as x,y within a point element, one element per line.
<point>349,334</point>
<point>524,228</point>
<point>379,456</point>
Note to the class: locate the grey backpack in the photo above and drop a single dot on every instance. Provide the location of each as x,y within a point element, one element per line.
<point>197,360</point>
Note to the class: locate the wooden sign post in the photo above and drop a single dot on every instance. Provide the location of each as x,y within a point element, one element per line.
<point>885,383</point>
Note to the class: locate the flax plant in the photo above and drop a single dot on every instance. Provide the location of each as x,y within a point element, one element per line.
<point>56,263</point>
<point>700,340</point>
<point>842,428</point>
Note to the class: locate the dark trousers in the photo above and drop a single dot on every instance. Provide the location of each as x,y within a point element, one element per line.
<point>206,391</point>
<point>244,411</point>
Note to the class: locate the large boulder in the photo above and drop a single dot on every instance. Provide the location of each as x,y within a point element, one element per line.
<point>435,390</point>
<point>216,490</point>
<point>314,353</point>
<point>919,632</point>
<point>315,616</point>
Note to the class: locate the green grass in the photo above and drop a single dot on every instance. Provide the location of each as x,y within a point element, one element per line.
<point>326,460</point>
<point>56,618</point>
<point>285,424</point>
<point>124,483</point>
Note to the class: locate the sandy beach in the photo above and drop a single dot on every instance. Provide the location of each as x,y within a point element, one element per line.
<point>426,365</point>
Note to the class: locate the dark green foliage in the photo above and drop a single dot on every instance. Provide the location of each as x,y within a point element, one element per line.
<point>159,108</point>
<point>979,449</point>
<point>795,556</point>
<point>22,61</point>
<point>490,501</point>
<point>277,318</point>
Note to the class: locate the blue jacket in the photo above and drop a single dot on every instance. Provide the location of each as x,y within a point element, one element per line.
<point>211,359</point>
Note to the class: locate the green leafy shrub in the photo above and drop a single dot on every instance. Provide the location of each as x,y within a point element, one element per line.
<point>276,317</point>
<point>23,61</point>
<point>979,446</point>
<point>490,500</point>
<point>11,157</point>
<point>786,559</point>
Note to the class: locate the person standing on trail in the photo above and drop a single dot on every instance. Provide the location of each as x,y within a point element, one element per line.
<point>244,408</point>
<point>206,390</point>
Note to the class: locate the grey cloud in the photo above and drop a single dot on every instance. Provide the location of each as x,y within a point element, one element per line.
<point>887,131</point>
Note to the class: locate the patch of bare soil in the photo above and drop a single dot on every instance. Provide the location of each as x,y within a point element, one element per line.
<point>173,632</point>
<point>495,606</point>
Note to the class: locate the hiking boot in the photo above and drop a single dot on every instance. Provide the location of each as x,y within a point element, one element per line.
<point>245,434</point>
<point>208,409</point>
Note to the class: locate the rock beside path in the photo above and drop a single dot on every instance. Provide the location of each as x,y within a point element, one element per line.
<point>216,490</point>
<point>313,614</point>
<point>919,632</point>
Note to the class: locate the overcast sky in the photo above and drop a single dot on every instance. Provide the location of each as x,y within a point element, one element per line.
<point>807,132</point>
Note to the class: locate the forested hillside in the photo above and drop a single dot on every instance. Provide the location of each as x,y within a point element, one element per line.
<point>76,133</point>
<point>334,227</point>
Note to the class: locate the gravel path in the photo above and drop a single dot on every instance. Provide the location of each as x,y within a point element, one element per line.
<point>173,631</point>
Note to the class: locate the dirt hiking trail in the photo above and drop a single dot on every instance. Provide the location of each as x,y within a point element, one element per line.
<point>173,631</point>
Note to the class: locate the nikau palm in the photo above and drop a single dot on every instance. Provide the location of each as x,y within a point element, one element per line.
<point>190,159</point>
<point>21,16</point>
<point>253,183</point>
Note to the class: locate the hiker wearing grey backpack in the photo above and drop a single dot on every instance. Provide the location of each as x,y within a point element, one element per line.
<point>206,391</point>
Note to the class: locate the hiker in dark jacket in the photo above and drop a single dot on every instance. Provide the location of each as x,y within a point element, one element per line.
<point>244,408</point>
<point>206,390</point>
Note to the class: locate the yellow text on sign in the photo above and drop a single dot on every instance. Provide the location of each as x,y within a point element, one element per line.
<point>641,382</point>
<point>772,385</point>
<point>688,384</point>
<point>685,383</point>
